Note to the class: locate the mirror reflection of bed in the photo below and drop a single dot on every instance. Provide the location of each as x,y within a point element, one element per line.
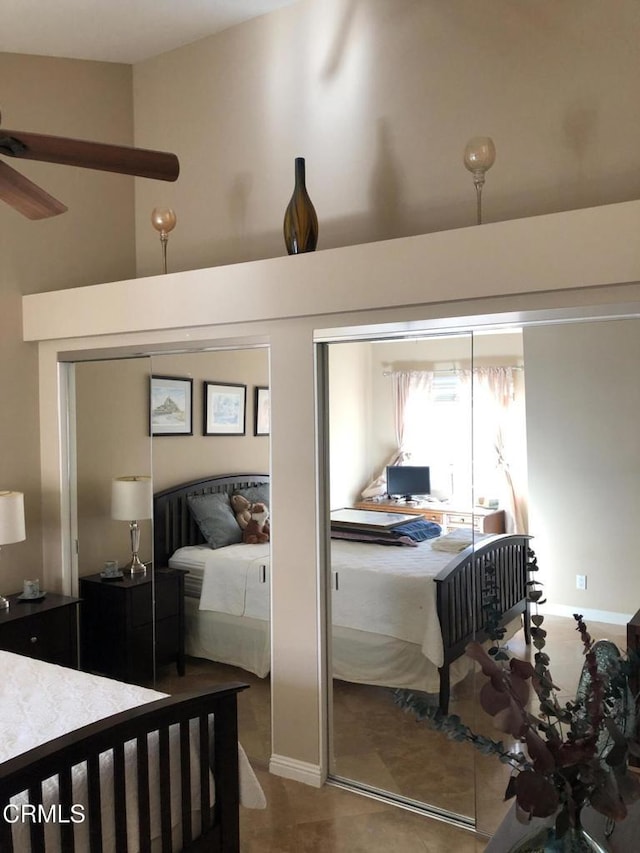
<point>411,593</point>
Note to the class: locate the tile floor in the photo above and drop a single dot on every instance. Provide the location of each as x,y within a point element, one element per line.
<point>377,744</point>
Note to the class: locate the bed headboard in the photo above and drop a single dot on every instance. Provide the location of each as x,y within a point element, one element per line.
<point>173,524</point>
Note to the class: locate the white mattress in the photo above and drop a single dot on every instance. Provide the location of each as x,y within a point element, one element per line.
<point>386,590</point>
<point>41,701</point>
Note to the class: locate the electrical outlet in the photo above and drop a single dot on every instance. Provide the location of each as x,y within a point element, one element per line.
<point>581,581</point>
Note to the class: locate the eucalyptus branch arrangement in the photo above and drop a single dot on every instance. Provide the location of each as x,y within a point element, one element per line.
<point>574,753</point>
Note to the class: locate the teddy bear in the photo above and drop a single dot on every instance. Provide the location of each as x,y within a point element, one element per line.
<point>242,508</point>
<point>257,530</point>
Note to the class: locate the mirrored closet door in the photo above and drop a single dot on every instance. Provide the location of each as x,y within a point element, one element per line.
<point>208,413</point>
<point>113,509</point>
<point>229,439</point>
<point>400,449</point>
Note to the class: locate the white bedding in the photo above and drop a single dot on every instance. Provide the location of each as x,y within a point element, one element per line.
<point>41,701</point>
<point>387,590</point>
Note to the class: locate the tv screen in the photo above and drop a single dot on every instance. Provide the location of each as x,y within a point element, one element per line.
<point>407,481</point>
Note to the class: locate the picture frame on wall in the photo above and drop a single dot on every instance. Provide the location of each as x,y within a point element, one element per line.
<point>261,411</point>
<point>225,405</point>
<point>170,405</point>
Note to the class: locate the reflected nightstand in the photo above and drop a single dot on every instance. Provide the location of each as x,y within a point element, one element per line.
<point>117,630</point>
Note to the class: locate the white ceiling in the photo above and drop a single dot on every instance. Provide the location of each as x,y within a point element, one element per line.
<point>118,30</point>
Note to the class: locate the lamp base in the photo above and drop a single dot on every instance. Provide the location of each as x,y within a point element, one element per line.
<point>135,567</point>
<point>4,603</point>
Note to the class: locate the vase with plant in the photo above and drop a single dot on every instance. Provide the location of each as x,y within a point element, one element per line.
<point>573,753</point>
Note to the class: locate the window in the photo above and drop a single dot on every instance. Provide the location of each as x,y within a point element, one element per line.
<point>438,433</point>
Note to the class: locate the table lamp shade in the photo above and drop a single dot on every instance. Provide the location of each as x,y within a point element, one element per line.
<point>131,498</point>
<point>11,517</point>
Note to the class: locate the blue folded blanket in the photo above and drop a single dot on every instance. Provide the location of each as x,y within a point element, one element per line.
<point>418,530</point>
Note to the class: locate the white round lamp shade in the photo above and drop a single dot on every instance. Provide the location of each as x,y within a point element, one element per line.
<point>11,517</point>
<point>131,498</point>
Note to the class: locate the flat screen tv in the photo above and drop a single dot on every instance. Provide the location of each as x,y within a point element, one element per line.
<point>408,481</point>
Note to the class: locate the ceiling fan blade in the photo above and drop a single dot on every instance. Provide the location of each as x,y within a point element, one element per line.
<point>144,163</point>
<point>25,196</point>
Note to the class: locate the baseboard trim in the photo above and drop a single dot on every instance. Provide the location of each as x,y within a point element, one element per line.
<point>589,614</point>
<point>299,771</point>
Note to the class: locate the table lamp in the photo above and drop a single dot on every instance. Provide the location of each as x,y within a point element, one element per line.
<point>131,500</point>
<point>11,524</point>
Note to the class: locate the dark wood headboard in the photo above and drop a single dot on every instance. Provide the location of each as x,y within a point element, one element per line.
<point>173,524</point>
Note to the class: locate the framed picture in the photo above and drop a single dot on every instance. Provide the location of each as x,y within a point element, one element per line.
<point>261,411</point>
<point>171,406</point>
<point>224,408</point>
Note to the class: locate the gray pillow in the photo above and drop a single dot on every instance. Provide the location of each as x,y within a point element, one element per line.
<point>215,518</point>
<point>255,494</point>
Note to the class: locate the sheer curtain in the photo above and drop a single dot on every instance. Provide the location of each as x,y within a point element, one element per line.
<point>409,387</point>
<point>500,440</point>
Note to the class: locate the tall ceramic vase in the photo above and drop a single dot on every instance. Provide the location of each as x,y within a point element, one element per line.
<point>300,220</point>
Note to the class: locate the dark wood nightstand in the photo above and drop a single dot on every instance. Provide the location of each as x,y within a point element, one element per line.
<point>116,626</point>
<point>45,629</point>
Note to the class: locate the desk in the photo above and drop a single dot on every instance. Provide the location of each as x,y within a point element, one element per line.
<point>448,516</point>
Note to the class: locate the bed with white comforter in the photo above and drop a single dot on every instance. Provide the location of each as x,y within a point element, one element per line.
<point>383,600</point>
<point>41,701</point>
<point>401,616</point>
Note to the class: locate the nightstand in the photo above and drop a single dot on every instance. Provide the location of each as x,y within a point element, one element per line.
<point>117,636</point>
<point>45,629</point>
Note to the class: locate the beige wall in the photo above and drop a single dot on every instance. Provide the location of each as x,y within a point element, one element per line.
<point>93,241</point>
<point>583,406</point>
<point>350,415</point>
<point>381,98</point>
